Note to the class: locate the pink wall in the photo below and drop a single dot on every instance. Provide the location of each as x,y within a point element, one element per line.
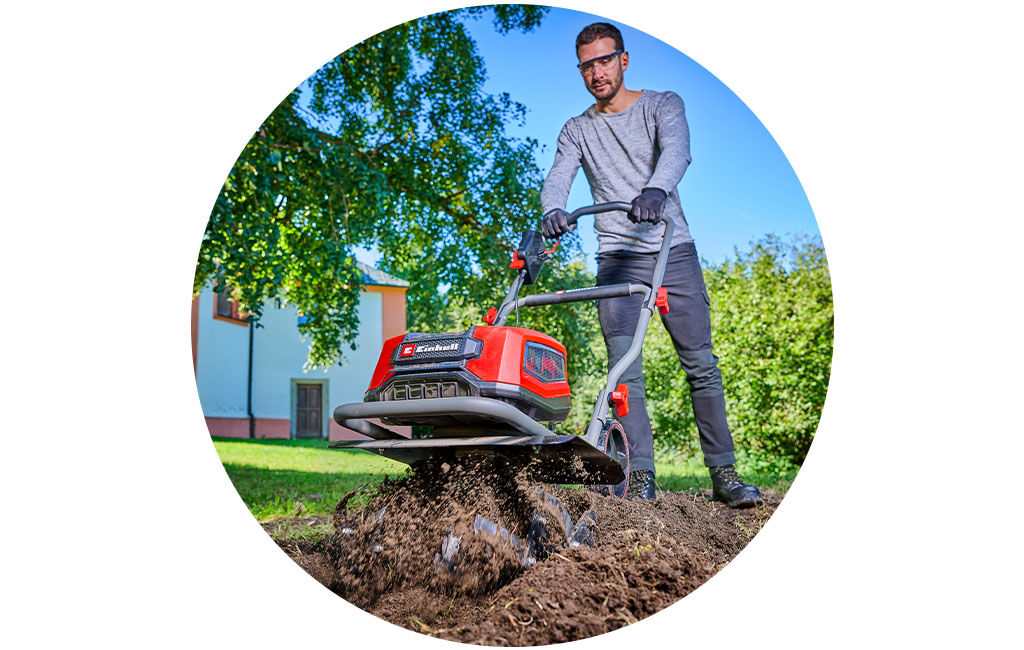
<point>228,427</point>
<point>273,428</point>
<point>278,428</point>
<point>239,427</point>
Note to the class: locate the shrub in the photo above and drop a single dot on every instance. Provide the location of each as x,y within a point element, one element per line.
<point>772,325</point>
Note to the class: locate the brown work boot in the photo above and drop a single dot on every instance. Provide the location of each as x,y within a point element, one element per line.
<point>730,488</point>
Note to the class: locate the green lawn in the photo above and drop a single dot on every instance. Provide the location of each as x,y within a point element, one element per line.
<point>676,473</point>
<point>274,476</point>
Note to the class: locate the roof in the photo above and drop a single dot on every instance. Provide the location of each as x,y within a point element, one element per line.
<point>376,277</point>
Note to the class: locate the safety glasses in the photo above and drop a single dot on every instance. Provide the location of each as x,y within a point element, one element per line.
<point>602,62</point>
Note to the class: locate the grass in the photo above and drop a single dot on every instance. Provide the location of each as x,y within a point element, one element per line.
<point>677,473</point>
<point>274,476</point>
<point>283,478</point>
<point>303,529</point>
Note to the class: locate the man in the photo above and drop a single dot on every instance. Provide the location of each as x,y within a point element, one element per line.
<point>636,145</point>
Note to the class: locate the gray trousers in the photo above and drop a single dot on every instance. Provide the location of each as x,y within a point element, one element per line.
<point>689,325</point>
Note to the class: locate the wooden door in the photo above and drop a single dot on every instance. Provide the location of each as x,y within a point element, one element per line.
<point>308,411</point>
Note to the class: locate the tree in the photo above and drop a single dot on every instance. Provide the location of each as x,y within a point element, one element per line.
<point>772,322</point>
<point>393,144</point>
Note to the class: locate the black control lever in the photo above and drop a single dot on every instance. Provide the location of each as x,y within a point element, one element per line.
<point>530,255</point>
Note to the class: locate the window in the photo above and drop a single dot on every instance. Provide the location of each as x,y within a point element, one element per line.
<point>225,308</point>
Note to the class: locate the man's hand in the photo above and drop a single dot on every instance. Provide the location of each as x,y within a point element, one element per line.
<point>555,224</point>
<point>649,206</point>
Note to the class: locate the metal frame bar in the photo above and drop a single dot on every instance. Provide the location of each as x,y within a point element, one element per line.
<point>570,295</point>
<point>346,414</point>
<point>601,408</point>
<point>370,429</point>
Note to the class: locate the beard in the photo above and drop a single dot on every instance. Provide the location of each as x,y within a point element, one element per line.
<point>606,88</point>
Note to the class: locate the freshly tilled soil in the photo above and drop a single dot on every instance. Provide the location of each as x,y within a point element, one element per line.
<point>387,556</point>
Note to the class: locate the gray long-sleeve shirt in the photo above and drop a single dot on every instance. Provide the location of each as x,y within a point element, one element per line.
<point>646,145</point>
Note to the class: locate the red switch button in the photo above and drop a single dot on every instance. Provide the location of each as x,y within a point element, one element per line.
<point>620,398</point>
<point>661,302</point>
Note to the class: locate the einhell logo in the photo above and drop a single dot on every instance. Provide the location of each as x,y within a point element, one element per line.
<point>411,349</point>
<point>437,347</point>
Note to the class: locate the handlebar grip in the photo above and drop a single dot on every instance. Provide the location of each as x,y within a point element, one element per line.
<point>599,207</point>
<point>605,207</point>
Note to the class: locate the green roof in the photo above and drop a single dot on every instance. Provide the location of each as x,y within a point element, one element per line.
<point>376,277</point>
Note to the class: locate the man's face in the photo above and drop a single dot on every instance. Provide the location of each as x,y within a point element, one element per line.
<point>603,76</point>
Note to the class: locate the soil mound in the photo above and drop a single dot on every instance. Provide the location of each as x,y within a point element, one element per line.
<point>481,556</point>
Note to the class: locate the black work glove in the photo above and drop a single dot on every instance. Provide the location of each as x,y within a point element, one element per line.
<point>649,206</point>
<point>555,224</point>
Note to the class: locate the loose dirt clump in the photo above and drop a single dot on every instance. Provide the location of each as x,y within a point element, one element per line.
<point>479,555</point>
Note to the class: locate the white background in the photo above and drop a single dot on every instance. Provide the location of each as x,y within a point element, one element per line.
<point>121,121</point>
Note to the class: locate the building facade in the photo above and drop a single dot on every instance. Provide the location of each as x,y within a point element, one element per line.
<point>277,398</point>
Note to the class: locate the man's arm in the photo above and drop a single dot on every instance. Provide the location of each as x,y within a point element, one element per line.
<point>673,136</point>
<point>568,159</point>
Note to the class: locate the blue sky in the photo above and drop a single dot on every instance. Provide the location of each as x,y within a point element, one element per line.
<point>739,185</point>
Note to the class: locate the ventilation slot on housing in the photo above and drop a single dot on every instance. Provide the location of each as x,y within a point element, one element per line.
<point>423,390</point>
<point>544,363</point>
